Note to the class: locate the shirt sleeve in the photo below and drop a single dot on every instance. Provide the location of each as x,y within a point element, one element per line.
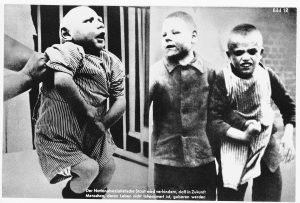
<point>282,99</point>
<point>231,117</point>
<point>67,57</point>
<point>217,107</point>
<point>221,116</point>
<point>117,79</point>
<point>149,96</point>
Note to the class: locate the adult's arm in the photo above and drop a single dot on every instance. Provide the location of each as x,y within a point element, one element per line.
<point>18,82</point>
<point>16,54</point>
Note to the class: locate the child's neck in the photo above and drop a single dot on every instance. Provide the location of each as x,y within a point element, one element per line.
<point>89,48</point>
<point>94,52</point>
<point>187,59</point>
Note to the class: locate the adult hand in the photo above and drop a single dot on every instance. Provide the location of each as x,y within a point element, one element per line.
<point>35,67</point>
<point>17,82</point>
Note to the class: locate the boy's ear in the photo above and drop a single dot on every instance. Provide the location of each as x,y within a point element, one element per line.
<point>228,54</point>
<point>261,51</point>
<point>65,34</point>
<point>194,36</point>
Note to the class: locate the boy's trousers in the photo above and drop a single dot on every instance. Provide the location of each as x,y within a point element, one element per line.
<point>266,187</point>
<point>197,181</point>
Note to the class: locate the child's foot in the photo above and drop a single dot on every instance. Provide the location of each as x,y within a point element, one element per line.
<point>67,193</point>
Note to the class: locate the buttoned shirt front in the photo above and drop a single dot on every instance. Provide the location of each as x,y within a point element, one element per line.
<point>179,95</point>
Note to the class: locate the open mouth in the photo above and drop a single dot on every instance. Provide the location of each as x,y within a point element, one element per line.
<point>170,46</point>
<point>101,36</point>
<point>246,65</point>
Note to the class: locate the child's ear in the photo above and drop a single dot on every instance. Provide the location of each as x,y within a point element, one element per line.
<point>194,36</point>
<point>261,51</point>
<point>228,54</point>
<point>65,34</point>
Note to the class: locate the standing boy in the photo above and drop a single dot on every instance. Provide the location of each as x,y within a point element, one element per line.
<point>247,87</point>
<point>72,130</point>
<point>179,88</point>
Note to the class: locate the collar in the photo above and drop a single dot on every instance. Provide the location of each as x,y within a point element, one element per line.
<point>101,56</point>
<point>262,65</point>
<point>197,63</point>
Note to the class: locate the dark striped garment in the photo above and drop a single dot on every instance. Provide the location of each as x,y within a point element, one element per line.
<point>60,141</point>
<point>251,98</point>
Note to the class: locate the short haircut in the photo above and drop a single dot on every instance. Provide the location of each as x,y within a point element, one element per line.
<point>187,18</point>
<point>243,29</point>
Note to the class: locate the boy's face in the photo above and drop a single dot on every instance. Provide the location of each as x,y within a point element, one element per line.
<point>87,29</point>
<point>246,54</point>
<point>178,38</point>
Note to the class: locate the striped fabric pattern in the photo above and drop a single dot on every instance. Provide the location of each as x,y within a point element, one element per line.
<point>60,141</point>
<point>251,98</point>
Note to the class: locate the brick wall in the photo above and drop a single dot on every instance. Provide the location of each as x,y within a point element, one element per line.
<point>278,30</point>
<point>279,33</point>
<point>280,47</point>
<point>280,51</point>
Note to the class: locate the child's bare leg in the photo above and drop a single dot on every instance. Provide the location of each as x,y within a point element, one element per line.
<point>104,176</point>
<point>86,172</point>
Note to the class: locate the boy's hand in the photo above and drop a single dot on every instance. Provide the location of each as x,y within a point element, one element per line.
<point>93,124</point>
<point>91,113</point>
<point>100,127</point>
<point>238,135</point>
<point>253,128</point>
<point>287,149</point>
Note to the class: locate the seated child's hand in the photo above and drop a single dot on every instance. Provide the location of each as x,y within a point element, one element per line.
<point>101,129</point>
<point>253,128</point>
<point>91,113</point>
<point>95,128</point>
<point>95,125</point>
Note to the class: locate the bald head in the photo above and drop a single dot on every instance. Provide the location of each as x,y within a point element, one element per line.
<point>73,19</point>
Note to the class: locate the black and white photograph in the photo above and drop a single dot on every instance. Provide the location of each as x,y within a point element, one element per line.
<point>113,92</point>
<point>149,101</point>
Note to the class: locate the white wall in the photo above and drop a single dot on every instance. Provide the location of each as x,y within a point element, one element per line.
<point>17,133</point>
